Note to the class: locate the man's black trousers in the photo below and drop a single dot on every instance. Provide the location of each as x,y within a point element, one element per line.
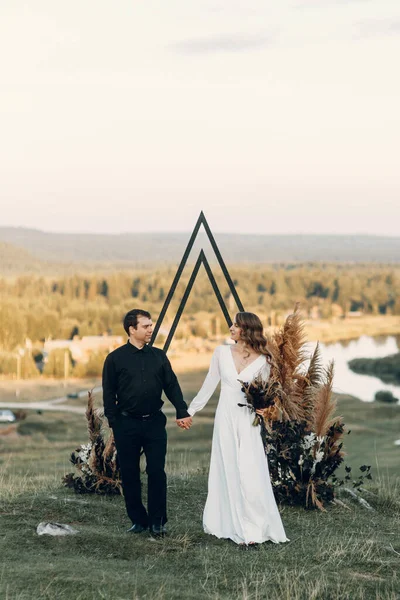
<point>131,436</point>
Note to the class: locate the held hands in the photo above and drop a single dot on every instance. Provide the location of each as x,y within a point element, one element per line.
<point>185,423</point>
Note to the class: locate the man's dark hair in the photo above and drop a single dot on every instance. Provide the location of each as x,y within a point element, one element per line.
<point>131,318</point>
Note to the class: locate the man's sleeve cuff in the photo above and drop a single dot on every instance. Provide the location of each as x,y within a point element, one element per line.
<point>182,414</point>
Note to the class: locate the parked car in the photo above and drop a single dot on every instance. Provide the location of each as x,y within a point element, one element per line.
<point>7,416</point>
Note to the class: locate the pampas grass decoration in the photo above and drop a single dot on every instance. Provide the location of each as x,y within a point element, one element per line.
<point>324,405</point>
<point>96,462</point>
<point>288,354</point>
<point>93,419</point>
<point>293,339</point>
<point>303,437</point>
<point>311,383</point>
<point>312,494</point>
<point>109,449</point>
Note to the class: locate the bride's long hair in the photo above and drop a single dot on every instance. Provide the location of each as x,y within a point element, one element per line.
<point>252,333</point>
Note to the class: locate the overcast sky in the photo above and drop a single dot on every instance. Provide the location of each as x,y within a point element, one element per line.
<point>271,116</point>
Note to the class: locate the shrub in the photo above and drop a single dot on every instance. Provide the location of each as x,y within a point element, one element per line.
<point>56,363</point>
<point>386,396</point>
<point>94,366</point>
<point>8,365</point>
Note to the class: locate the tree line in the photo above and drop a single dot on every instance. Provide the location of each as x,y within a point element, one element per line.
<point>39,307</point>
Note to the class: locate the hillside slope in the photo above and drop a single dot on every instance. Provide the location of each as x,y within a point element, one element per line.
<point>168,247</point>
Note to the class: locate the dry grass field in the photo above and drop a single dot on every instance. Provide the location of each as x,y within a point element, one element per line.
<point>348,552</point>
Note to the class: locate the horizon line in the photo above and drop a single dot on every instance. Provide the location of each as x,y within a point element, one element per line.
<point>188,232</point>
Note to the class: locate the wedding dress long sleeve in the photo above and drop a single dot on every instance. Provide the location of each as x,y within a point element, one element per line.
<point>240,502</point>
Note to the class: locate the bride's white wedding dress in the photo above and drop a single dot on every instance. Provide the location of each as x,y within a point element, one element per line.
<point>240,503</point>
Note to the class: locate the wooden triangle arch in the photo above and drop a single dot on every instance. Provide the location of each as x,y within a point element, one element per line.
<point>201,260</point>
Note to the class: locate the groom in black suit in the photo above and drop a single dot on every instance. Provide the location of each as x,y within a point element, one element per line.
<point>134,377</point>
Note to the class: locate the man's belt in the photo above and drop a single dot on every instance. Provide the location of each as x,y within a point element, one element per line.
<point>124,413</point>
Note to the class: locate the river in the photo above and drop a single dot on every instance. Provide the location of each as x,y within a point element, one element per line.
<point>348,382</point>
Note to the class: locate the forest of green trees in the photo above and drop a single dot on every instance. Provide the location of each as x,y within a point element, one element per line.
<point>36,307</point>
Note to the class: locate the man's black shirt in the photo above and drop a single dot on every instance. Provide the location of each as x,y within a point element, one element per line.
<point>133,381</point>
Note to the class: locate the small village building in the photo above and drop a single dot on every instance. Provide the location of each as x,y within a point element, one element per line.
<point>82,348</point>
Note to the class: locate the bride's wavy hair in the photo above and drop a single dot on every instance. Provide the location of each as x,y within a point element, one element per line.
<point>252,333</point>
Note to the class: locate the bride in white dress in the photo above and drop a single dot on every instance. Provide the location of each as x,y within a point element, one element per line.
<point>240,503</point>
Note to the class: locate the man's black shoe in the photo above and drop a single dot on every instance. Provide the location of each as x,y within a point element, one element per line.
<point>136,528</point>
<point>158,531</point>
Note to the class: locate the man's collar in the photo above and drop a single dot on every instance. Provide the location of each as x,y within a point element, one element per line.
<point>132,347</point>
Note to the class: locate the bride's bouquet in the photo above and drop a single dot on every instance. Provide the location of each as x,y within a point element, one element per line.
<point>260,394</point>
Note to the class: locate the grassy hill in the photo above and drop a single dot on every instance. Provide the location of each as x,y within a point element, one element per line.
<point>345,553</point>
<point>144,248</point>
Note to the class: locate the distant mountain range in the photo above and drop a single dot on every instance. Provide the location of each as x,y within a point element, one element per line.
<point>33,250</point>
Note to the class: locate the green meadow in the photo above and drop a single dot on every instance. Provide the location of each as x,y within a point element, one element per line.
<point>347,552</point>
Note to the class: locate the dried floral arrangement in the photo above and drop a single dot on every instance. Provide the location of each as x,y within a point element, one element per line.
<point>302,438</point>
<point>96,462</point>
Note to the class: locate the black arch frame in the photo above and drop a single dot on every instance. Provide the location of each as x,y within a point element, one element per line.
<point>202,260</point>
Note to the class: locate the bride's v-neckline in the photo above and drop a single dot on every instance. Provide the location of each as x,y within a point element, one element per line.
<point>247,366</point>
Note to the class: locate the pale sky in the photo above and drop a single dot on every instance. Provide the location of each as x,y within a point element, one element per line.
<point>272,116</point>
